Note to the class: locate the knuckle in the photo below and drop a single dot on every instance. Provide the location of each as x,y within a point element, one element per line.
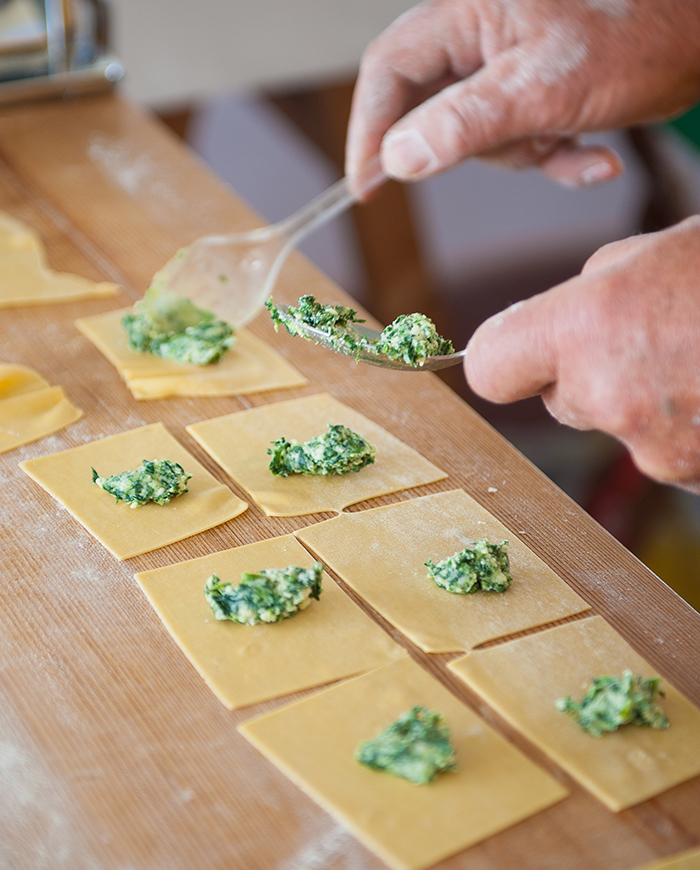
<point>665,467</point>
<point>691,223</point>
<point>467,122</point>
<point>374,54</point>
<point>615,412</point>
<point>601,256</point>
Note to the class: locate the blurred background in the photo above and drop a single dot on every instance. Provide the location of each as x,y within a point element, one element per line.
<point>262,93</point>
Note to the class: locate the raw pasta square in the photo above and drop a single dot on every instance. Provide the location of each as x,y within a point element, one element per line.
<point>29,408</point>
<point>125,531</point>
<point>524,678</point>
<point>25,278</point>
<point>313,741</point>
<point>689,860</point>
<point>250,366</point>
<point>239,443</point>
<point>381,553</point>
<point>246,664</point>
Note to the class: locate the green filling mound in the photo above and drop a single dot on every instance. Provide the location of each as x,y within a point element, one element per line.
<point>157,480</point>
<point>416,746</point>
<point>485,567</point>
<point>334,320</point>
<point>170,326</point>
<point>412,338</point>
<point>269,595</point>
<point>614,701</point>
<point>337,451</point>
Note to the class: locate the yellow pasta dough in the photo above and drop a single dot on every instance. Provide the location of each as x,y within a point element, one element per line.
<point>245,664</point>
<point>250,366</point>
<point>126,531</point>
<point>29,408</point>
<point>524,678</point>
<point>24,277</point>
<point>239,443</point>
<point>684,861</point>
<point>16,379</point>
<point>313,741</point>
<point>381,552</point>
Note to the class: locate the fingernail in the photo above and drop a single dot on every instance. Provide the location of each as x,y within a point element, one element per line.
<point>596,173</point>
<point>406,153</point>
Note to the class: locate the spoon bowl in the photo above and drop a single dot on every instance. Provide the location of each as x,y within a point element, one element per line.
<point>331,342</point>
<point>233,275</point>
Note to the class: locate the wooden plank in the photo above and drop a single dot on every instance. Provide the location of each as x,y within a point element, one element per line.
<point>112,750</point>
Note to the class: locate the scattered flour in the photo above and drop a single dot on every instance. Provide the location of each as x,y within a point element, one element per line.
<point>614,8</point>
<point>39,827</point>
<point>136,172</point>
<point>560,53</point>
<point>326,849</point>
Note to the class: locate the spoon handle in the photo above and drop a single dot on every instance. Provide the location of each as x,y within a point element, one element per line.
<point>330,203</point>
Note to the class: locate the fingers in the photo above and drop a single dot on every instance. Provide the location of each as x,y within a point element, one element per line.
<point>574,165</point>
<point>614,252</point>
<point>512,355</point>
<point>561,158</point>
<point>506,100</point>
<point>613,349</point>
<point>467,118</point>
<point>417,56</point>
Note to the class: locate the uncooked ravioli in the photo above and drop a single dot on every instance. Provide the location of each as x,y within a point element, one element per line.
<point>243,664</point>
<point>409,826</point>
<point>30,408</point>
<point>250,366</point>
<point>239,443</point>
<point>381,553</point>
<point>523,679</point>
<point>126,531</point>
<point>25,279</point>
<point>689,860</point>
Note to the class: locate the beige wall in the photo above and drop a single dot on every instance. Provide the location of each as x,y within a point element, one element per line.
<point>174,50</point>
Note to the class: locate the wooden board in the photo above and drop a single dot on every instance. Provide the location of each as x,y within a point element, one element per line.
<point>113,752</point>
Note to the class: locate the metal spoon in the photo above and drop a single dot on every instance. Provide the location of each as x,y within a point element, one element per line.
<point>233,275</point>
<point>431,364</point>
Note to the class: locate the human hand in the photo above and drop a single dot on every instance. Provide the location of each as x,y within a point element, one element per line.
<point>515,81</point>
<point>616,348</point>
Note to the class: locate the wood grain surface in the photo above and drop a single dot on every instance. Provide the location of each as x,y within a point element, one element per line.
<point>113,752</point>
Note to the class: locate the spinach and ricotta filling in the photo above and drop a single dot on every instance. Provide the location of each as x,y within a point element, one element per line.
<point>174,328</point>
<point>416,746</point>
<point>335,321</point>
<point>483,566</point>
<point>337,451</point>
<point>614,701</point>
<point>269,595</point>
<point>412,338</point>
<point>157,480</point>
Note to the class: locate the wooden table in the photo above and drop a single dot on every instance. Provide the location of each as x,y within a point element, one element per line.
<point>113,752</point>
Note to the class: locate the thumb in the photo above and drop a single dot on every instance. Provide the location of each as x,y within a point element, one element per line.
<point>480,113</point>
<point>512,355</point>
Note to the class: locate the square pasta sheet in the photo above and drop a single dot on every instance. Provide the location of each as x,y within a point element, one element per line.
<point>29,408</point>
<point>124,530</point>
<point>381,553</point>
<point>239,443</point>
<point>524,678</point>
<point>250,366</point>
<point>313,741</point>
<point>246,664</point>
<point>689,860</point>
<point>25,278</point>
